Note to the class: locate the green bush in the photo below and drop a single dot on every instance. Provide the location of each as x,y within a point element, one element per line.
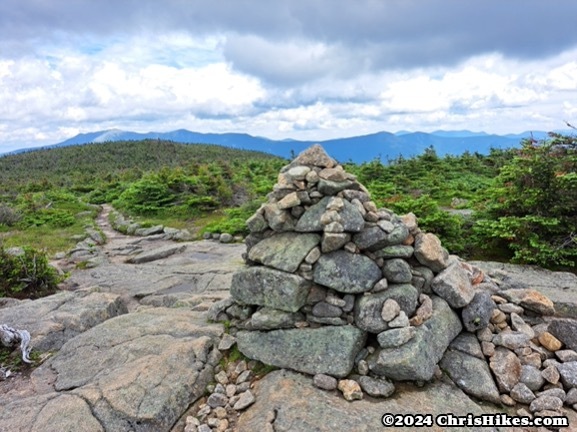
<point>27,275</point>
<point>530,211</point>
<point>145,197</point>
<point>52,217</point>
<point>448,227</point>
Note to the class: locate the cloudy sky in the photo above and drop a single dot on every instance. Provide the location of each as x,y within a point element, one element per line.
<point>302,69</point>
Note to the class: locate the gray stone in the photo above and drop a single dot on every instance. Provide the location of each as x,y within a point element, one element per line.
<point>226,342</point>
<point>390,310</point>
<point>467,343</point>
<point>335,321</point>
<point>376,387</point>
<point>156,254</point>
<point>557,392</point>
<point>97,236</point>
<point>546,403</point>
<point>310,221</point>
<point>422,278</point>
<point>267,287</point>
<point>325,382</point>
<point>217,400</point>
<point>511,339</point>
<point>416,360</point>
<point>477,314</point>
<point>226,238</point>
<point>566,331</point>
<point>256,223</point>
<point>566,355</point>
<point>430,252</point>
<point>551,374</point>
<point>330,350</point>
<point>268,319</point>
<point>289,201</point>
<point>571,398</point>
<point>330,187</point>
<point>374,238</point>
<point>346,272</point>
<point>521,393</point>
<point>397,270</point>
<point>334,241</point>
<point>323,309</point>
<point>506,367</point>
<point>518,324</point>
<point>402,320</point>
<point>278,219</point>
<point>453,285</point>
<point>471,374</point>
<point>396,337</point>
<point>398,251</point>
<point>531,376</point>
<point>298,172</point>
<point>144,232</point>
<point>245,400</point>
<point>568,372</point>
<point>511,308</point>
<point>284,251</point>
<point>530,299</point>
<point>368,308</point>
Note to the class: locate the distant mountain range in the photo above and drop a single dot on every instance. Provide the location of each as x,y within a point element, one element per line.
<point>383,145</point>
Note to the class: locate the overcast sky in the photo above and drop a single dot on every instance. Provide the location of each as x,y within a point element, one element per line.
<point>301,69</point>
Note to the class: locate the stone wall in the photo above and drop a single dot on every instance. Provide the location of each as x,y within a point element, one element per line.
<point>336,287</point>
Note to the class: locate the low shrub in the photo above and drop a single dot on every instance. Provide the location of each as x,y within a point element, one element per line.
<point>26,275</point>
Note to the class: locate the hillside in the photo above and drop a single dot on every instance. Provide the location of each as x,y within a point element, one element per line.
<point>357,149</point>
<point>81,164</point>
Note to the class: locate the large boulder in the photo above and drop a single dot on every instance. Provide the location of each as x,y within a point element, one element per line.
<point>284,251</point>
<point>267,287</point>
<point>416,359</point>
<point>347,272</point>
<point>53,320</point>
<point>471,374</point>
<point>328,350</point>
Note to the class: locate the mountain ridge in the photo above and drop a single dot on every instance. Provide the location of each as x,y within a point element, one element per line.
<point>382,145</point>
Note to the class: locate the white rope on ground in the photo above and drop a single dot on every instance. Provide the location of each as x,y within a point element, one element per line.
<point>11,337</point>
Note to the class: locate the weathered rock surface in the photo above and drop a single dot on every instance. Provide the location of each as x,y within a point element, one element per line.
<point>138,371</point>
<point>156,254</point>
<point>416,359</point>
<point>560,287</point>
<point>54,320</point>
<point>327,350</point>
<point>299,406</point>
<point>267,287</point>
<point>346,272</point>
<point>310,221</point>
<point>285,251</point>
<point>471,374</point>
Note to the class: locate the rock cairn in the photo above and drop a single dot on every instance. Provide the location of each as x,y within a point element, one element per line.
<point>360,297</point>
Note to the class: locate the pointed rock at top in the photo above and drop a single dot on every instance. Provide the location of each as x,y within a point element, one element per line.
<point>314,156</point>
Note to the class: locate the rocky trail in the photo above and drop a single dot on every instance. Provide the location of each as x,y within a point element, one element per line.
<point>127,346</point>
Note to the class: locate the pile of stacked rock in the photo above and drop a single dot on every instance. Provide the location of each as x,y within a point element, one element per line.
<point>337,288</point>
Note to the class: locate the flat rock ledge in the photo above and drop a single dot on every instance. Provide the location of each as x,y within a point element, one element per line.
<point>288,401</point>
<point>135,372</point>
